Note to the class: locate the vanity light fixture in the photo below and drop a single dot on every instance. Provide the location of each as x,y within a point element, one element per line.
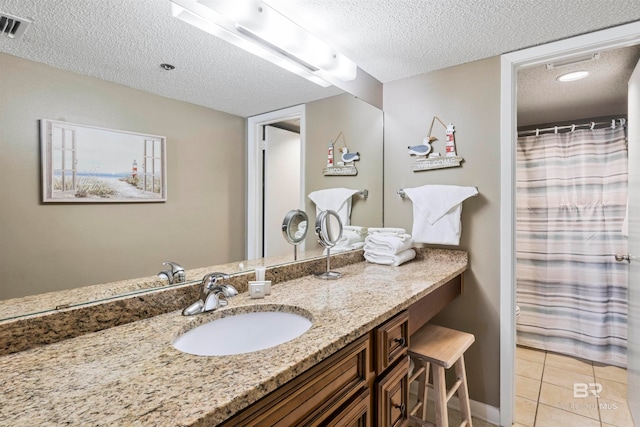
<point>257,28</point>
<point>573,76</point>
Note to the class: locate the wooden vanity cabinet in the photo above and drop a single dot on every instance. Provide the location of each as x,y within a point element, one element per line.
<point>365,384</point>
<point>392,371</point>
<point>335,389</point>
<point>391,341</point>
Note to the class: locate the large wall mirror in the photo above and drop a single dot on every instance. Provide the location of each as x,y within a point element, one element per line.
<point>61,71</point>
<point>61,246</point>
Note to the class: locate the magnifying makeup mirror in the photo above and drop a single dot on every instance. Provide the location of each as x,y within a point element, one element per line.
<point>294,229</point>
<point>329,231</point>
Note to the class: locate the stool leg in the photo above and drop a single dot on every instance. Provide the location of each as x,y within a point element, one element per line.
<point>424,386</point>
<point>440,388</point>
<point>463,392</point>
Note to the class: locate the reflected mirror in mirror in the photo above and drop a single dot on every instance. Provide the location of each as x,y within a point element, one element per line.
<point>329,231</point>
<point>294,229</point>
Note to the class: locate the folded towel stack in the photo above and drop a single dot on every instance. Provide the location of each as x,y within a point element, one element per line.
<point>391,246</point>
<point>387,230</point>
<point>352,238</point>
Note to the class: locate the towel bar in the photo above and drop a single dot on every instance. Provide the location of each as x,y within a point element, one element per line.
<point>402,194</point>
<point>363,193</point>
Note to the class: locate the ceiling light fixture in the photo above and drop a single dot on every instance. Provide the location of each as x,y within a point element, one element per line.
<point>167,67</point>
<point>259,29</point>
<point>573,76</point>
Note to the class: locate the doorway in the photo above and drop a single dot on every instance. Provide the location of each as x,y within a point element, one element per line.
<point>281,182</point>
<point>622,36</point>
<point>287,128</point>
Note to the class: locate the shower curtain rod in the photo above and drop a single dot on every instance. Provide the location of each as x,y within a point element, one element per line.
<point>570,128</point>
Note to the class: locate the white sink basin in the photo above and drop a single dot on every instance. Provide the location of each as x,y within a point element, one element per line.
<point>242,333</point>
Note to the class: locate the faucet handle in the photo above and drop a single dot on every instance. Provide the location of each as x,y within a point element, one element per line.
<point>228,290</point>
<point>177,271</point>
<point>166,274</point>
<point>174,266</point>
<point>210,280</point>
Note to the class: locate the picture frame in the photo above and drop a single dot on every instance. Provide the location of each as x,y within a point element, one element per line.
<point>88,164</point>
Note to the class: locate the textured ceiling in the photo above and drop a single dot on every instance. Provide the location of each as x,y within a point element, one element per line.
<point>124,41</point>
<point>542,99</point>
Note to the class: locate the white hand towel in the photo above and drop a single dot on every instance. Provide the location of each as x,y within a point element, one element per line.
<point>335,199</point>
<point>390,243</point>
<point>436,212</point>
<point>386,259</point>
<point>387,230</point>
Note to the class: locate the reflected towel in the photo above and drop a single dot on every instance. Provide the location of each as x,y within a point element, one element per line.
<point>335,199</point>
<point>387,230</point>
<point>436,212</point>
<point>350,237</point>
<point>344,248</point>
<point>391,244</point>
<point>387,259</point>
<point>363,231</point>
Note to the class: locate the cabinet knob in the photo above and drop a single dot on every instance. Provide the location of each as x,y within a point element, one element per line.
<point>402,408</point>
<point>402,341</point>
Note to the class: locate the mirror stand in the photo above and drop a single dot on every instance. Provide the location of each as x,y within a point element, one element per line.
<point>329,275</point>
<point>329,231</point>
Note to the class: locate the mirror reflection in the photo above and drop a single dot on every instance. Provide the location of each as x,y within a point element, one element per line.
<point>202,224</point>
<point>294,229</point>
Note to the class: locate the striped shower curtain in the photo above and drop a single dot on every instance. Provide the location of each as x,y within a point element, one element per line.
<point>571,202</point>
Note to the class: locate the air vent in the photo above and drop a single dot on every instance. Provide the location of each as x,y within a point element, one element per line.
<point>12,26</point>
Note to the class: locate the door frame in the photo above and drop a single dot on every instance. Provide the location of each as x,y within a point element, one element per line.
<point>254,171</point>
<point>612,38</point>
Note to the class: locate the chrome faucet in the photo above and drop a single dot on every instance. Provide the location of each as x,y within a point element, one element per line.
<point>213,295</point>
<point>175,275</point>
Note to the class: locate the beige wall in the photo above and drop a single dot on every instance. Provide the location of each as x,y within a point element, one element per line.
<point>468,96</point>
<point>48,247</point>
<point>361,125</point>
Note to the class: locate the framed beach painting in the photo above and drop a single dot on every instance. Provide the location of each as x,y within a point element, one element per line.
<point>88,164</point>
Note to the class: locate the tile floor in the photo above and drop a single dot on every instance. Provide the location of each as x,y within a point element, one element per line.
<point>545,392</point>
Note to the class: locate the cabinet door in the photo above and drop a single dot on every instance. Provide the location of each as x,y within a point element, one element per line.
<point>392,341</point>
<point>392,395</point>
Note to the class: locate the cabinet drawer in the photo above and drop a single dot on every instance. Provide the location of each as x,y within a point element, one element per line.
<point>391,341</point>
<point>329,384</point>
<point>356,413</point>
<point>392,395</point>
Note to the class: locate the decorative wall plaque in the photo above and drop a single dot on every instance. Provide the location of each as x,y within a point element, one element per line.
<point>426,160</point>
<point>344,165</point>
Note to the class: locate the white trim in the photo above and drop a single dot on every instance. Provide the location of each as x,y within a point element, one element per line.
<point>624,35</point>
<point>479,410</point>
<point>254,171</point>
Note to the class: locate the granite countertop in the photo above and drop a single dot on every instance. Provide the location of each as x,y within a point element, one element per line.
<point>45,302</point>
<point>132,375</point>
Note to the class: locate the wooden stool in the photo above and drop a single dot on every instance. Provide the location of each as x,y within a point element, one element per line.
<point>442,348</point>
